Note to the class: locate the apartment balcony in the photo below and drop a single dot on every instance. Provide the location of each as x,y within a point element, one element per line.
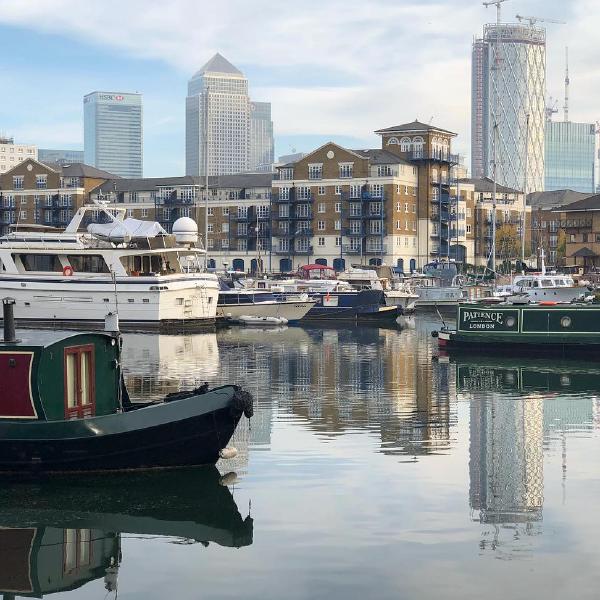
<point>348,232</point>
<point>356,216</point>
<point>293,199</point>
<point>373,216</point>
<point>168,201</point>
<point>433,155</point>
<point>444,217</point>
<point>304,251</point>
<point>351,250</point>
<point>375,250</point>
<point>373,197</point>
<point>304,232</point>
<point>443,181</point>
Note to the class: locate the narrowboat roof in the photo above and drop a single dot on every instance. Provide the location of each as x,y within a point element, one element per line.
<point>45,338</point>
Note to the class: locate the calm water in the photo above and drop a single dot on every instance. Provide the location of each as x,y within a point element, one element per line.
<point>371,469</point>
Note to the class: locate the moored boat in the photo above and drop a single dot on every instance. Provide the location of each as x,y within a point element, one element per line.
<point>543,328</point>
<point>65,409</point>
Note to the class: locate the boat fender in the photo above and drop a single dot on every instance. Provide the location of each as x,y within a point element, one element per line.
<point>434,334</point>
<point>67,271</point>
<point>228,453</point>
<point>242,401</point>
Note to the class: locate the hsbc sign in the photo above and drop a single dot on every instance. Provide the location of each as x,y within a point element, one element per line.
<point>110,97</point>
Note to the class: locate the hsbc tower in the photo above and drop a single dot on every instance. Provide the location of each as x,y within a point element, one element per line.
<point>112,131</point>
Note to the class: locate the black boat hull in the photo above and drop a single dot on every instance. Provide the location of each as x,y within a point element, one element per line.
<point>185,432</point>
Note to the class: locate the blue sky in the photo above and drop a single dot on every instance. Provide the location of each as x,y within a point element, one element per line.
<point>335,69</point>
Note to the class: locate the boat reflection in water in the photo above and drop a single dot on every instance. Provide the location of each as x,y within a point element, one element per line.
<point>62,534</point>
<point>516,408</point>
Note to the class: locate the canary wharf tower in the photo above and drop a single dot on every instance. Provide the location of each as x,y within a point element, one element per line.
<point>509,88</point>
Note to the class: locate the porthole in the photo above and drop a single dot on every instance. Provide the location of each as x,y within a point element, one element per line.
<point>565,380</point>
<point>510,322</point>
<point>565,322</point>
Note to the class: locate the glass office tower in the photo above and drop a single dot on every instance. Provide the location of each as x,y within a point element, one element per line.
<point>112,132</point>
<point>262,153</point>
<point>570,156</point>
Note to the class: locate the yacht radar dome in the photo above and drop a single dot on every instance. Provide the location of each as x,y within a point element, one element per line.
<point>185,231</point>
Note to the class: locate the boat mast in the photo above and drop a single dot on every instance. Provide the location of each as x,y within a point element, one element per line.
<point>206,165</point>
<point>524,190</point>
<point>495,67</point>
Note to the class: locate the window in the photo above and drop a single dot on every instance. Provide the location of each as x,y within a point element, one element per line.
<point>338,190</point>
<point>376,190</point>
<point>398,225</point>
<point>77,549</point>
<point>346,170</point>
<point>338,225</point>
<point>468,229</point>
<point>286,174</point>
<point>210,244</point>
<point>338,241</point>
<point>225,244</point>
<point>41,182</point>
<point>321,190</point>
<point>414,208</point>
<point>303,193</point>
<point>406,207</point>
<point>79,381</point>
<point>338,207</point>
<point>262,212</point>
<point>18,182</point>
<point>321,225</point>
<point>284,210</point>
<point>355,191</point>
<point>384,171</point>
<point>242,228</point>
<point>144,212</point>
<point>284,193</point>
<point>224,227</point>
<point>242,212</point>
<point>315,171</point>
<point>41,262</point>
<point>211,211</point>
<point>210,228</point>
<point>22,214</point>
<point>226,211</point>
<point>321,241</point>
<point>355,209</point>
<point>321,207</point>
<point>375,227</point>
<point>242,245</point>
<point>398,206</point>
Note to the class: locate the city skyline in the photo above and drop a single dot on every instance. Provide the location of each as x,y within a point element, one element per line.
<point>321,89</point>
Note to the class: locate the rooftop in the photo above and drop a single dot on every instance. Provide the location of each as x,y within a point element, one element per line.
<point>239,181</point>
<point>585,204</point>
<point>218,64</point>
<point>377,156</point>
<point>485,184</point>
<point>79,170</point>
<point>549,200</point>
<point>414,126</point>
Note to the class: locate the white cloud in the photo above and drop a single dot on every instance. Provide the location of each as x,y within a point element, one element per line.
<point>398,59</point>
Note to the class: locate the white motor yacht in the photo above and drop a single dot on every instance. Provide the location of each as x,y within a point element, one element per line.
<point>125,266</point>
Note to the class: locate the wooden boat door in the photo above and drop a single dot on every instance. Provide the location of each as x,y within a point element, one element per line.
<point>80,391</point>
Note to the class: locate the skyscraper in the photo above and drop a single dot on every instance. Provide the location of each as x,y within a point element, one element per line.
<point>217,95</point>
<point>570,155</point>
<point>508,88</point>
<point>262,154</point>
<point>112,132</point>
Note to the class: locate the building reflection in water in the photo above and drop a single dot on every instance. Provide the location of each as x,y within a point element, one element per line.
<point>515,409</point>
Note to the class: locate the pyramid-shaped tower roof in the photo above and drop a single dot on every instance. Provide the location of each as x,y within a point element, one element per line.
<point>218,64</point>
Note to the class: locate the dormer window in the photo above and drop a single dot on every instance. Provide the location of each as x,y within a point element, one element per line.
<point>286,174</point>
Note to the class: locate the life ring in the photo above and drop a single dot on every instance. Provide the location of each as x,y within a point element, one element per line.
<point>68,271</point>
<point>547,303</point>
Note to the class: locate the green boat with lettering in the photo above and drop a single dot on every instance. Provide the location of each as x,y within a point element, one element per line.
<point>543,328</point>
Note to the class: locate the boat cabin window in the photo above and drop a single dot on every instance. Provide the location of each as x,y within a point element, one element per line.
<point>40,262</point>
<point>93,263</point>
<point>79,382</point>
<point>151,264</point>
<point>547,283</point>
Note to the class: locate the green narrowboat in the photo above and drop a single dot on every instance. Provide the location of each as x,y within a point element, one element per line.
<point>64,408</point>
<point>544,328</point>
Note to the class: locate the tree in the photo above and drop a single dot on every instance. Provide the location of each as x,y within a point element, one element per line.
<point>561,246</point>
<point>508,244</point>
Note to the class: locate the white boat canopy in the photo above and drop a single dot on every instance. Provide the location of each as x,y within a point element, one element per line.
<point>127,230</point>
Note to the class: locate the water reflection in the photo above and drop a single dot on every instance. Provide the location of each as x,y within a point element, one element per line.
<point>61,534</point>
<point>515,408</point>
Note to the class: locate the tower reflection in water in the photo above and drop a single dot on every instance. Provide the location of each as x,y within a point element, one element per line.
<point>60,535</point>
<point>516,409</point>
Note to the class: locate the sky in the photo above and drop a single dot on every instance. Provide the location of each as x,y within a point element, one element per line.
<point>332,69</point>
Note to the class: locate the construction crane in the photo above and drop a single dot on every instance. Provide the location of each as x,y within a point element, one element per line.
<point>551,108</point>
<point>497,4</point>
<point>534,20</point>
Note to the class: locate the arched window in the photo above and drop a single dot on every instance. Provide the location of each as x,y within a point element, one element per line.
<point>339,264</point>
<point>238,264</point>
<point>211,264</point>
<point>285,265</point>
<point>413,265</point>
<point>393,141</point>
<point>405,144</point>
<point>400,264</point>
<point>321,261</point>
<point>418,144</point>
